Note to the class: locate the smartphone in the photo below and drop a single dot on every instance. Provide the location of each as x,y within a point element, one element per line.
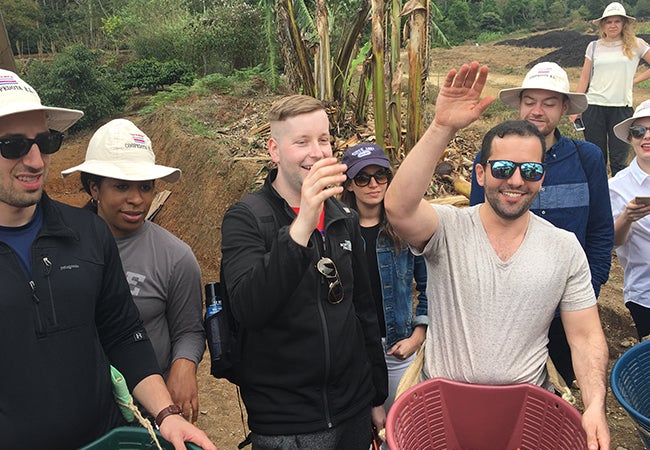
<point>642,200</point>
<point>579,125</point>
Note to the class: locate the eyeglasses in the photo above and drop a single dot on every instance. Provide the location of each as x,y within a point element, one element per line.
<point>638,131</point>
<point>504,169</point>
<point>15,147</point>
<point>382,176</point>
<point>327,268</point>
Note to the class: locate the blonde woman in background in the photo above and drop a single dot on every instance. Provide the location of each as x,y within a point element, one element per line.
<point>608,76</point>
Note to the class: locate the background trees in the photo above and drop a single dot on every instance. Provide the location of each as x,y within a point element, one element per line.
<point>345,52</point>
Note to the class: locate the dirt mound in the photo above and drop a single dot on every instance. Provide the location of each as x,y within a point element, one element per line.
<point>570,46</point>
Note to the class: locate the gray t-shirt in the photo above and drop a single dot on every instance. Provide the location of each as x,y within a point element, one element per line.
<point>489,318</point>
<point>165,281</point>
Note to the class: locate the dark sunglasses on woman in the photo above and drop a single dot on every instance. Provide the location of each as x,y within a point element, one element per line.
<point>638,131</point>
<point>382,176</point>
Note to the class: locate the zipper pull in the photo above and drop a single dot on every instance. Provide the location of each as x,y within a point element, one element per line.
<point>32,285</point>
<point>48,265</point>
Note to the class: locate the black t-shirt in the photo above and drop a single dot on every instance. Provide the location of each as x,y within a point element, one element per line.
<point>370,236</point>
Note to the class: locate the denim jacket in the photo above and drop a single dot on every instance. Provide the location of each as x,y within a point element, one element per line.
<point>397,272</point>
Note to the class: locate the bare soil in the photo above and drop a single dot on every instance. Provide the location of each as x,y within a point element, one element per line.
<point>220,169</point>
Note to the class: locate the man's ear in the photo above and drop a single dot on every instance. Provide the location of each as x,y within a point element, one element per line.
<point>274,150</point>
<point>480,174</point>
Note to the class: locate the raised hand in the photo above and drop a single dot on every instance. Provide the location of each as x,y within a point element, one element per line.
<point>459,101</point>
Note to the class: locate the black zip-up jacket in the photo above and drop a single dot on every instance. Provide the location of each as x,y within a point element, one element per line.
<point>307,364</point>
<point>60,328</point>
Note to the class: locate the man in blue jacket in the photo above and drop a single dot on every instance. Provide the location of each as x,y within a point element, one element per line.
<point>66,312</point>
<point>574,194</point>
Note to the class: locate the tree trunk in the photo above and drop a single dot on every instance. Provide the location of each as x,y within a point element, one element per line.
<point>324,72</point>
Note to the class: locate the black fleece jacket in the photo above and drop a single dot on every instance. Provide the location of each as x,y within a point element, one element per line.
<point>60,328</point>
<point>307,364</point>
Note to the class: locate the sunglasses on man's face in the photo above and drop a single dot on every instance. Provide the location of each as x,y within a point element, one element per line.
<point>504,169</point>
<point>327,268</point>
<point>638,131</point>
<point>14,147</point>
<point>382,176</point>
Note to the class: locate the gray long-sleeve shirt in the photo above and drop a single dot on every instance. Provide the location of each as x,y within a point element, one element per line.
<point>165,281</point>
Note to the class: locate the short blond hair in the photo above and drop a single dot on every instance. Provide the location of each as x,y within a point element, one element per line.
<point>294,105</point>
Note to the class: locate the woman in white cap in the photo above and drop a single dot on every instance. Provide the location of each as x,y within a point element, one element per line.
<point>629,192</point>
<point>391,265</point>
<point>119,174</point>
<point>608,76</point>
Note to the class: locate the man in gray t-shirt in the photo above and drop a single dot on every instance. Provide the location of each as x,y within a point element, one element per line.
<point>496,272</point>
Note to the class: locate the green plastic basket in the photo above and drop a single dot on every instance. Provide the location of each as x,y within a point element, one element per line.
<point>131,438</point>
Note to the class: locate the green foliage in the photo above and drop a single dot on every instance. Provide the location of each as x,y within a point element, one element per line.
<point>242,82</point>
<point>224,37</point>
<point>484,38</point>
<point>76,79</point>
<point>643,28</point>
<point>642,9</point>
<point>22,19</point>
<point>490,22</point>
<point>150,74</point>
<point>143,74</point>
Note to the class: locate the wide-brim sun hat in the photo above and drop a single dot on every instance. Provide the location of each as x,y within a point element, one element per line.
<point>363,155</point>
<point>120,150</point>
<point>622,129</point>
<point>549,77</point>
<point>614,9</point>
<point>16,96</point>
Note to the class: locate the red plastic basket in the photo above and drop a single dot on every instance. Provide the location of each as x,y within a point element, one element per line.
<point>444,414</point>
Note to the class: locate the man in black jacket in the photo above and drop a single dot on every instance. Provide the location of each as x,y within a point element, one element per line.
<point>312,373</point>
<point>66,313</point>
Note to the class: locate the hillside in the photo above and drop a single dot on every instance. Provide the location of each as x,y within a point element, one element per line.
<point>219,169</point>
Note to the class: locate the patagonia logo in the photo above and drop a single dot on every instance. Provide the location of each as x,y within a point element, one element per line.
<point>346,245</point>
<point>69,267</point>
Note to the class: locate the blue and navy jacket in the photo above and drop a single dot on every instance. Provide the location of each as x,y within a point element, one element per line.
<point>574,197</point>
<point>397,272</point>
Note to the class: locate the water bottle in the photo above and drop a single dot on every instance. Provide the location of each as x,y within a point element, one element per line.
<point>212,299</point>
<point>213,326</point>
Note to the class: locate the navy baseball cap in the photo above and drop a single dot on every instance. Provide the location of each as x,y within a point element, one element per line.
<point>364,155</point>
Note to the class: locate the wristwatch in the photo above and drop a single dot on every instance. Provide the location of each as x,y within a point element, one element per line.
<point>168,411</point>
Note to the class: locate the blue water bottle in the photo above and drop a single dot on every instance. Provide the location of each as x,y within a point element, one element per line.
<point>213,306</point>
<point>212,299</point>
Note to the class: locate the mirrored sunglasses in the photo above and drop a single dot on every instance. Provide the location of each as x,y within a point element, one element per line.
<point>382,176</point>
<point>327,268</point>
<point>14,147</point>
<point>638,131</point>
<point>504,169</point>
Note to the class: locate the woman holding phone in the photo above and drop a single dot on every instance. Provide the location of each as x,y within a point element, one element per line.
<point>629,192</point>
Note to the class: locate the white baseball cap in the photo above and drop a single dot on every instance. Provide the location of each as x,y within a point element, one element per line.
<point>549,77</point>
<point>622,129</point>
<point>122,151</point>
<point>614,9</point>
<point>16,96</point>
